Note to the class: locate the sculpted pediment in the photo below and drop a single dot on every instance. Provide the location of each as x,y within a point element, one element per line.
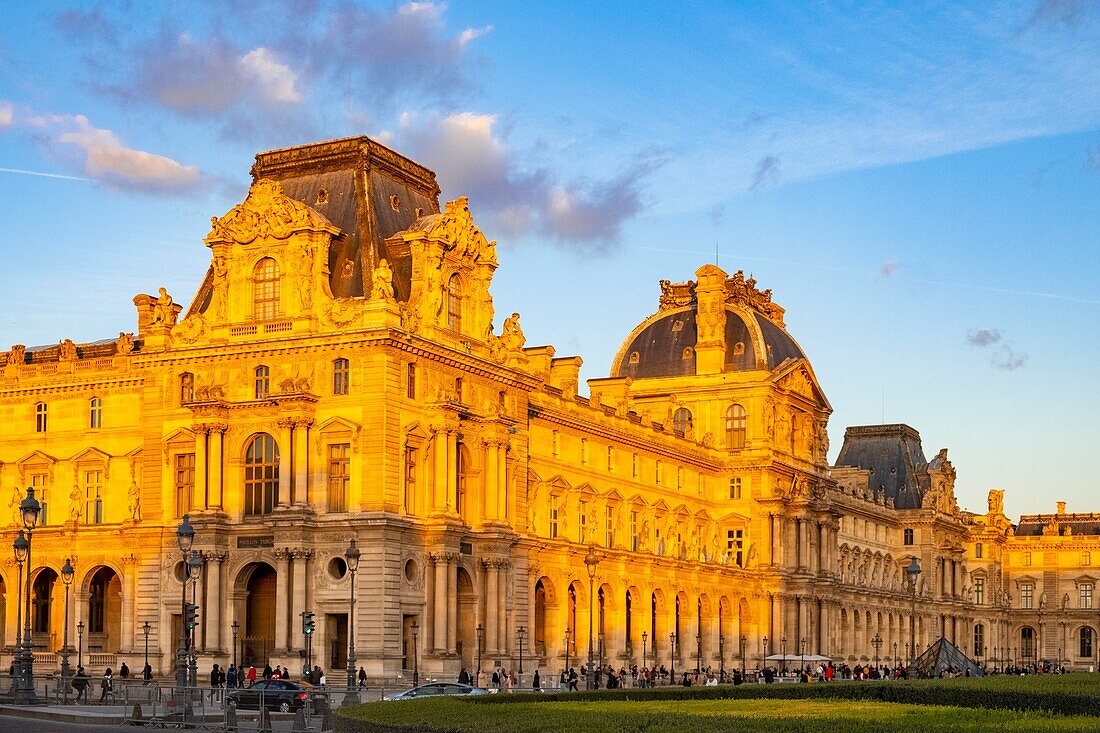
<point>266,213</point>
<point>796,376</point>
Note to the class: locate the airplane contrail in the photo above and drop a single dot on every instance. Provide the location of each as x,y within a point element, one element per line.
<point>43,175</point>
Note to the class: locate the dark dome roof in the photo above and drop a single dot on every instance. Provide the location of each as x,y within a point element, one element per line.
<point>665,345</point>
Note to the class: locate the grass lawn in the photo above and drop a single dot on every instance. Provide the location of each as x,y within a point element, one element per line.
<point>690,716</point>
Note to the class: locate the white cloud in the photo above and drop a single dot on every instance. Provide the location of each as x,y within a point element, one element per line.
<point>106,159</point>
<point>425,11</point>
<point>7,114</point>
<point>274,81</point>
<point>472,34</point>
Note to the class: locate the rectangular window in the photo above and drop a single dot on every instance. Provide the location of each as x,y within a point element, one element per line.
<point>979,591</point>
<point>458,389</point>
<point>609,527</point>
<point>40,482</point>
<point>40,414</point>
<point>1027,559</point>
<point>410,381</point>
<point>979,639</point>
<point>1086,595</point>
<point>339,476</point>
<point>679,477</point>
<point>735,545</point>
<point>410,479</point>
<point>610,458</point>
<point>634,465</point>
<point>634,531</point>
<point>95,413</point>
<point>908,536</point>
<point>553,517</point>
<point>735,487</point>
<point>93,501</point>
<point>341,376</point>
<point>1086,558</point>
<point>555,445</point>
<point>1027,595</point>
<point>657,474</point>
<point>185,482</point>
<point>582,519</point>
<point>584,451</point>
<point>978,550</point>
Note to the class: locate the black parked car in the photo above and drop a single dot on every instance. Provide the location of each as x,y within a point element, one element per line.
<point>282,695</point>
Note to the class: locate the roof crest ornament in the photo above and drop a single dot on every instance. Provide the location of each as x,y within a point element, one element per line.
<point>739,291</point>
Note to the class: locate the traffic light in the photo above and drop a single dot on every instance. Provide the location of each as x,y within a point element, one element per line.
<point>308,624</point>
<point>191,615</point>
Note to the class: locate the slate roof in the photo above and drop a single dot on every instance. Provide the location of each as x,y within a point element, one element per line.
<point>893,455</point>
<point>1031,525</point>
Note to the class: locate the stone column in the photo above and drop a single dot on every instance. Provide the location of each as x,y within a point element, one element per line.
<point>200,468</point>
<point>502,481</point>
<point>502,605</point>
<point>440,602</point>
<point>439,477</point>
<point>427,623</point>
<point>286,448</point>
<point>130,565</point>
<point>282,598</point>
<point>213,580</point>
<point>452,602</point>
<point>490,569</point>
<point>489,500</point>
<point>215,462</point>
<point>452,479</point>
<point>301,462</point>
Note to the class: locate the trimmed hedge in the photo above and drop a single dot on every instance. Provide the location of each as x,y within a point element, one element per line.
<point>955,693</point>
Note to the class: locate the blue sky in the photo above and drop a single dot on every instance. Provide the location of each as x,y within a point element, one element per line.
<point>917,183</point>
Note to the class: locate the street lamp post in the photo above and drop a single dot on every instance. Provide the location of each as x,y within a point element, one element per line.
<point>20,546</point>
<point>802,660</point>
<point>145,630</point>
<point>29,508</point>
<point>764,649</point>
<point>351,557</point>
<point>645,636</point>
<point>79,644</point>
<point>185,538</point>
<point>236,630</point>
<point>67,574</point>
<point>907,655</point>
<point>567,638</point>
<point>521,634</point>
<point>721,656</point>
<point>194,569</point>
<point>416,654</point>
<point>672,656</point>
<point>744,641</point>
<point>877,644</point>
<point>783,652</point>
<point>591,560</point>
<point>895,657</point>
<point>698,653</point>
<point>913,571</point>
<point>480,636</point>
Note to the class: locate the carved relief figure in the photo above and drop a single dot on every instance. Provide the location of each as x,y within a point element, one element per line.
<point>18,354</point>
<point>67,350</point>
<point>996,501</point>
<point>382,281</point>
<point>433,293</point>
<point>221,286</point>
<point>74,504</point>
<point>134,495</point>
<point>16,500</point>
<point>125,343</point>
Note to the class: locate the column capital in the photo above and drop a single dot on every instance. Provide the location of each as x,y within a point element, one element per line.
<point>301,554</point>
<point>281,553</point>
<point>303,422</point>
<point>286,423</point>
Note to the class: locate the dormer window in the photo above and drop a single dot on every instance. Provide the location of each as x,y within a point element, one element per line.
<point>635,357</point>
<point>262,382</point>
<point>187,387</point>
<point>454,303</point>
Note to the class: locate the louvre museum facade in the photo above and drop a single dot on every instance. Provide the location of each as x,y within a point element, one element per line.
<point>340,373</point>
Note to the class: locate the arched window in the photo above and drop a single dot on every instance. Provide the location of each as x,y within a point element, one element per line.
<point>736,422</point>
<point>571,619</point>
<point>41,411</point>
<point>629,635</point>
<point>187,387</point>
<point>681,420</point>
<point>341,376</point>
<point>1085,642</point>
<point>41,600</point>
<point>265,289</point>
<point>454,303</point>
<point>979,639</point>
<point>1027,642</point>
<point>263,382</point>
<point>540,618</point>
<point>95,413</point>
<point>261,475</point>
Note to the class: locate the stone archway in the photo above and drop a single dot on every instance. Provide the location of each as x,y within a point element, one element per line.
<point>466,640</point>
<point>256,585</point>
<point>103,613</point>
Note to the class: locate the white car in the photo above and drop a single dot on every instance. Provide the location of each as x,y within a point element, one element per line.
<point>436,689</point>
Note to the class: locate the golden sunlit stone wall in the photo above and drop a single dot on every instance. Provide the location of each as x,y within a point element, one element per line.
<point>286,420</point>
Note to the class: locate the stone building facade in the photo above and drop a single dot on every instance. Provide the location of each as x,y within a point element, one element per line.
<point>340,374</point>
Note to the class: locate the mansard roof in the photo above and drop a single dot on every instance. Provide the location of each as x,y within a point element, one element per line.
<point>893,455</point>
<point>1033,525</point>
